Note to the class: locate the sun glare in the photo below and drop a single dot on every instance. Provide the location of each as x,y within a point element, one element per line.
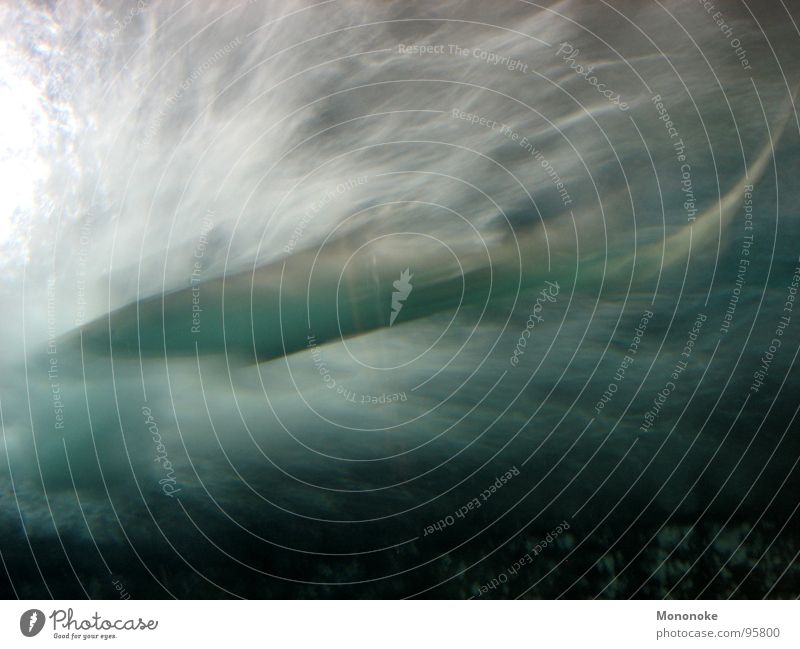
<point>23,125</point>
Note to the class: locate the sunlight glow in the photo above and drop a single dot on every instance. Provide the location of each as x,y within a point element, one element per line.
<point>23,129</point>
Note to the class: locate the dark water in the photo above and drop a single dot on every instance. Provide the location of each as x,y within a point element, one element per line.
<point>588,390</point>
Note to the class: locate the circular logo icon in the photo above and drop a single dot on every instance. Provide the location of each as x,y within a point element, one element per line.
<point>31,622</point>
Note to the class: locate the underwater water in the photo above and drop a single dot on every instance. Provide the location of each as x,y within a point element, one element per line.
<point>353,299</point>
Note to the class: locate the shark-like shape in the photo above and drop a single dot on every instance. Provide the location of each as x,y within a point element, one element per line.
<point>270,312</point>
<point>330,292</point>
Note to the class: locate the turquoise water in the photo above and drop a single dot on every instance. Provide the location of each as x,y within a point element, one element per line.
<point>292,311</point>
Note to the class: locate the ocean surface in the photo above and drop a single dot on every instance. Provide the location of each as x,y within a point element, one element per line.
<point>399,299</point>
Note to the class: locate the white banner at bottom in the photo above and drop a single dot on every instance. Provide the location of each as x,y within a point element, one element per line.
<point>395,624</point>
